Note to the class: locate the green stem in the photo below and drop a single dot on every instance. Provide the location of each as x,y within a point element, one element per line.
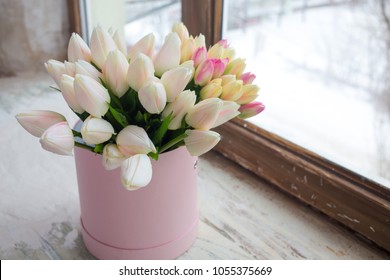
<point>172,143</point>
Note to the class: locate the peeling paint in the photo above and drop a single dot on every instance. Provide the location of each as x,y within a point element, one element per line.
<point>348,218</point>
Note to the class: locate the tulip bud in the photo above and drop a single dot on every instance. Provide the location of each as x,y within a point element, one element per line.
<point>188,48</point>
<point>141,70</point>
<point>200,41</point>
<point>78,49</point>
<point>136,172</point>
<point>204,114</point>
<point>249,93</point>
<point>199,56</point>
<point>235,67</point>
<point>86,68</point>
<point>115,73</point>
<point>181,30</point>
<point>227,79</point>
<point>224,43</point>
<point>228,53</point>
<point>175,81</point>
<point>251,109</point>
<point>101,45</point>
<point>67,89</point>
<point>133,140</point>
<point>96,131</point>
<point>119,40</point>
<point>112,157</point>
<point>169,55</point>
<point>212,89</point>
<point>58,139</point>
<point>216,51</point>
<point>247,78</point>
<point>232,91</point>
<point>219,66</point>
<point>153,97</point>
<point>199,142</point>
<point>204,72</point>
<point>55,69</point>
<point>228,111</point>
<point>37,121</point>
<point>145,46</point>
<point>91,95</point>
<point>70,68</point>
<point>179,108</point>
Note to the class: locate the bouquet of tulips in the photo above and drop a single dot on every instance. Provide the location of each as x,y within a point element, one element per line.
<point>135,104</point>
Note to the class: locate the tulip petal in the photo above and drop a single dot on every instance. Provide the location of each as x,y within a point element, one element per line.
<point>95,130</point>
<point>112,158</point>
<point>78,49</point>
<point>37,121</point>
<point>58,139</point>
<point>134,140</point>
<point>199,142</point>
<point>136,172</point>
<point>168,56</point>
<point>141,70</point>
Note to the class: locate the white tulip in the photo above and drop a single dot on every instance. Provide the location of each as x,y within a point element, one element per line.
<point>112,157</point>
<point>136,172</point>
<point>96,130</point>
<point>199,142</point>
<point>37,121</point>
<point>58,139</point>
<point>134,140</point>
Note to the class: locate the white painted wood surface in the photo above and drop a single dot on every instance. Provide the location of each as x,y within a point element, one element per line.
<point>241,217</point>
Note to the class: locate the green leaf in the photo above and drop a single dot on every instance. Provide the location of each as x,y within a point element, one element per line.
<point>153,155</point>
<point>162,130</point>
<point>98,148</point>
<point>139,117</point>
<point>119,117</point>
<point>82,116</point>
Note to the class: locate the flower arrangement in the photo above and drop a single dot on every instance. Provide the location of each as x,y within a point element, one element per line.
<point>135,105</point>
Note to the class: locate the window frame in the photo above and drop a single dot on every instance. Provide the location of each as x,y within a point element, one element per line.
<point>358,203</point>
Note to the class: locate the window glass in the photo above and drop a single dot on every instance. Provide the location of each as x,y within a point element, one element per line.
<point>150,16</point>
<point>323,67</point>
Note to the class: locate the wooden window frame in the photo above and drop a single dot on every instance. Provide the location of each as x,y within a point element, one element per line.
<point>356,202</point>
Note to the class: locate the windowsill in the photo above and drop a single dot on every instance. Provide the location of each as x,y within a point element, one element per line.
<point>241,217</point>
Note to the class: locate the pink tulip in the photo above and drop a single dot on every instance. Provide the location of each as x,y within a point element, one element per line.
<point>199,142</point>
<point>168,56</point>
<point>249,93</point>
<point>91,95</point>
<point>179,108</point>
<point>235,67</point>
<point>247,78</point>
<point>58,139</point>
<point>204,72</point>
<point>181,30</point>
<point>55,69</point>
<point>86,68</point>
<point>199,56</point>
<point>228,111</point>
<point>96,130</point>
<point>101,45</point>
<point>219,66</point>
<point>251,109</point>
<point>67,89</point>
<point>232,91</point>
<point>175,81</point>
<point>133,140</point>
<point>112,158</point>
<point>145,46</point>
<point>212,89</point>
<point>115,73</point>
<point>224,43</point>
<point>78,49</point>
<point>204,114</point>
<point>37,121</point>
<point>136,172</point>
<point>153,97</point>
<point>141,70</point>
